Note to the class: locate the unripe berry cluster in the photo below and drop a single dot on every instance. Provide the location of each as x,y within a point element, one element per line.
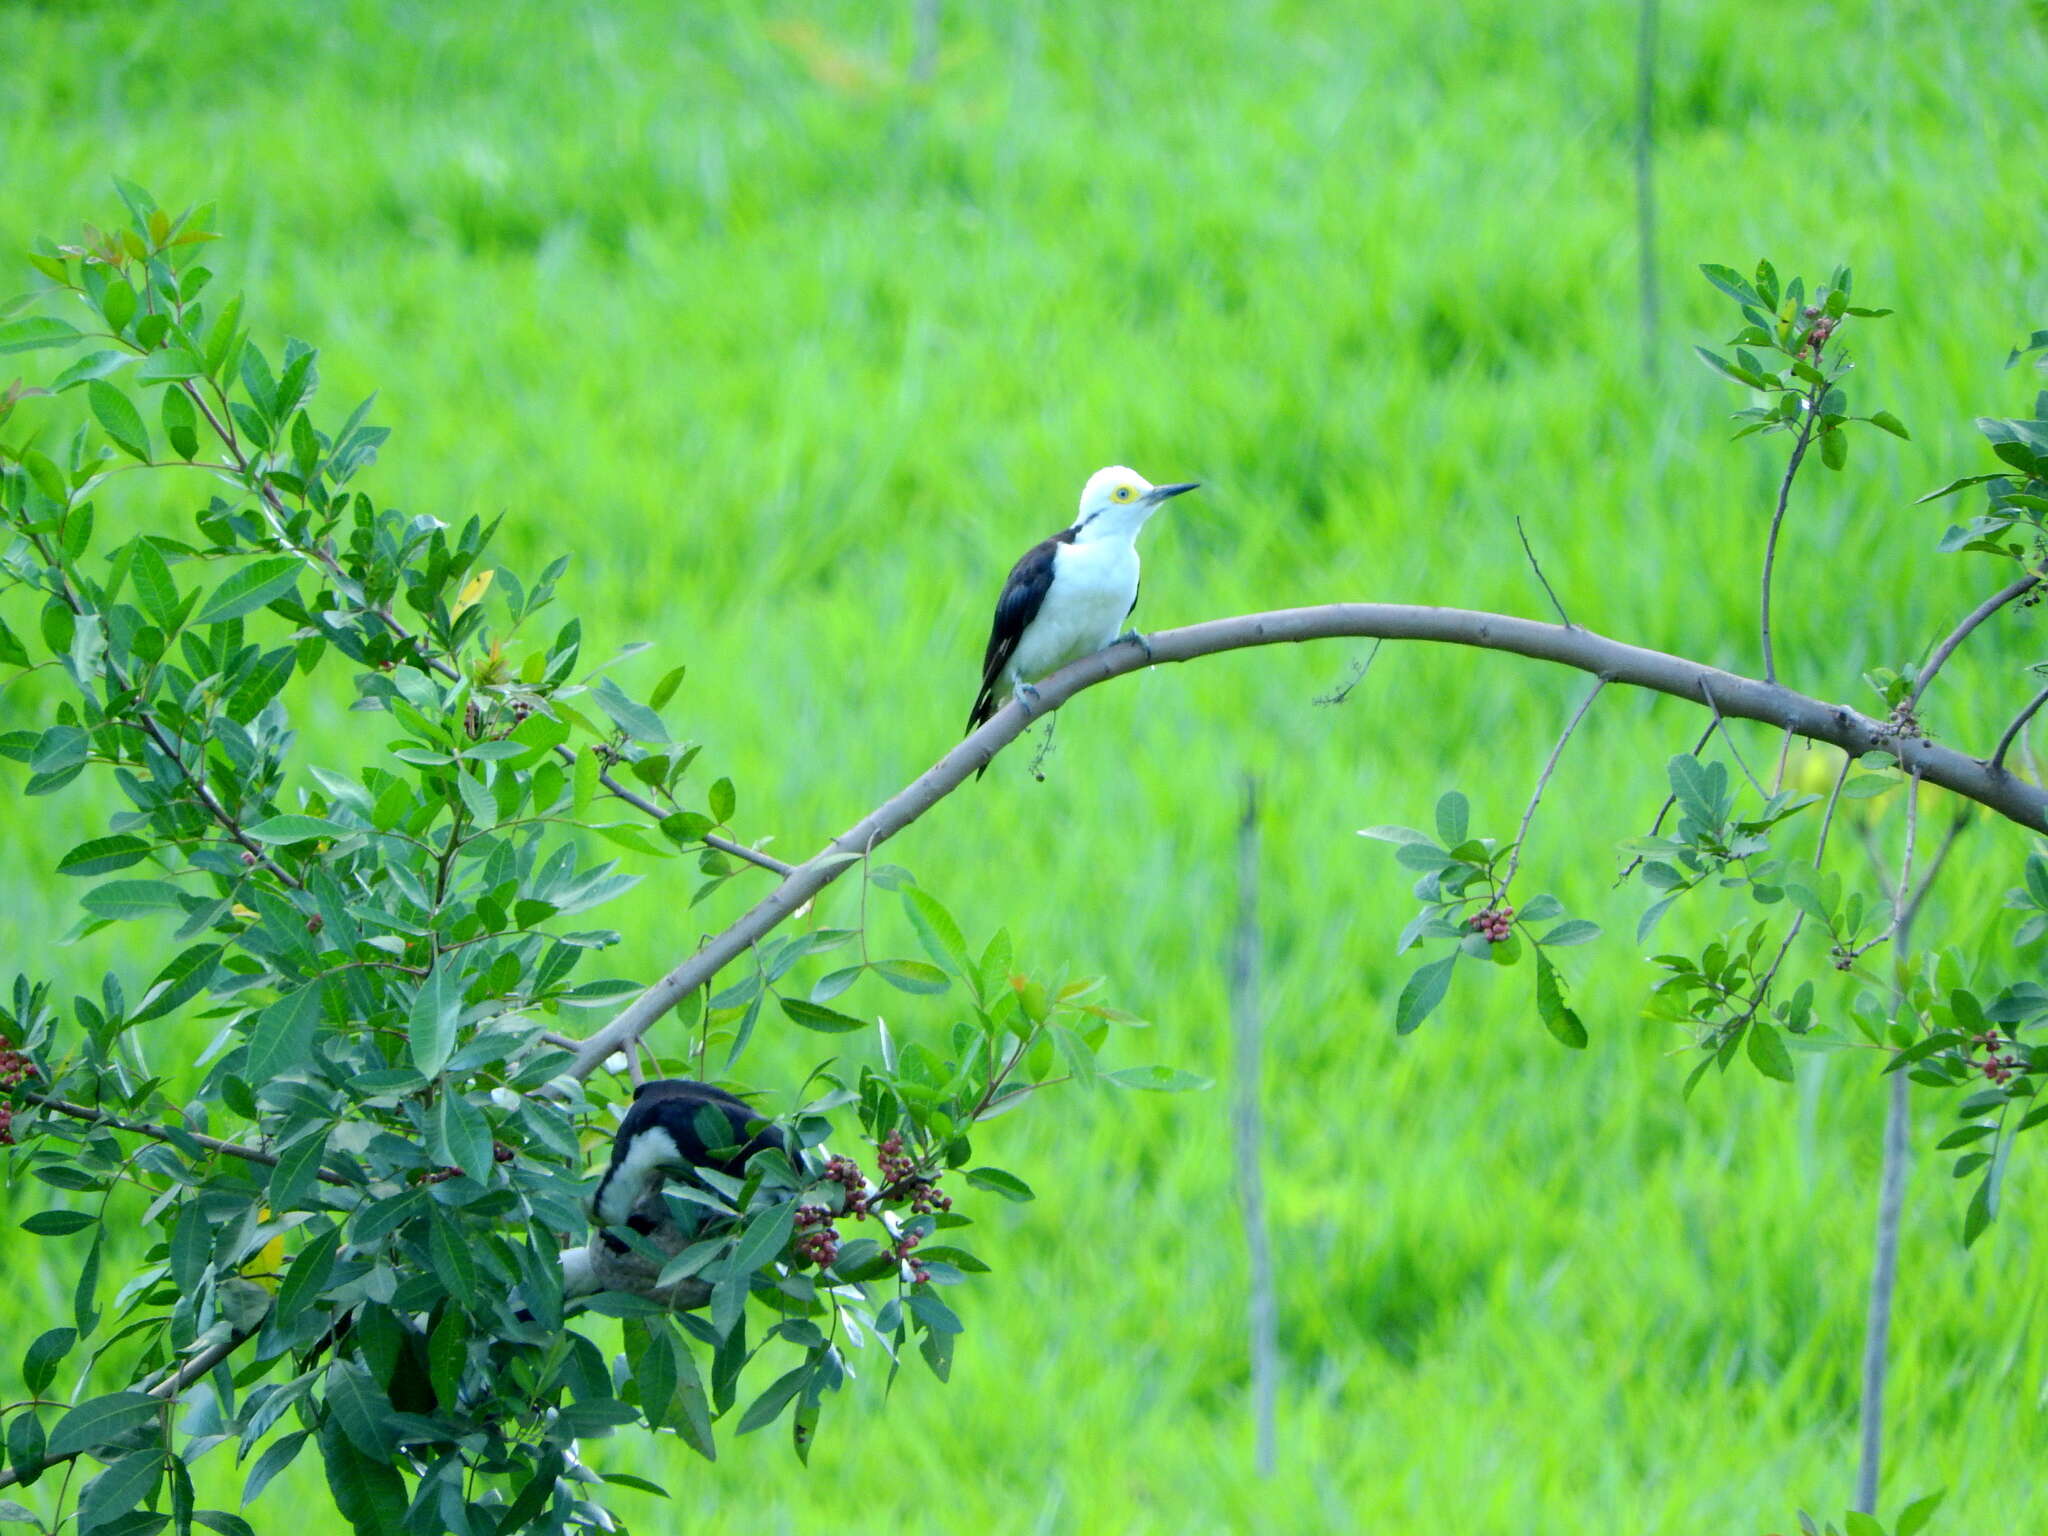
<point>818,1240</point>
<point>1495,922</point>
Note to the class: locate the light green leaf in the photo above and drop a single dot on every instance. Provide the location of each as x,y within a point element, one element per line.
<point>249,588</point>
<point>117,413</point>
<point>431,1025</point>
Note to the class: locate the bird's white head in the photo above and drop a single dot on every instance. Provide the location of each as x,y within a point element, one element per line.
<point>1116,501</point>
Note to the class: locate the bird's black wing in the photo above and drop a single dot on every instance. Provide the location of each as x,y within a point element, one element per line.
<point>1023,595</point>
<point>708,1126</point>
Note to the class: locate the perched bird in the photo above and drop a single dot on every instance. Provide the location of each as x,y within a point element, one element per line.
<point>1070,594</point>
<point>674,1128</point>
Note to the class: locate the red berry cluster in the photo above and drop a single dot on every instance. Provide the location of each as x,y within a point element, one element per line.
<point>1823,327</point>
<point>6,1126</point>
<point>896,1164</point>
<point>818,1240</point>
<point>926,1197</point>
<point>904,1244</point>
<point>1495,922</point>
<point>845,1172</point>
<point>15,1067</point>
<point>2000,1069</point>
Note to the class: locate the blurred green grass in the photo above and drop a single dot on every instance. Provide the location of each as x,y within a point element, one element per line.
<point>795,353</point>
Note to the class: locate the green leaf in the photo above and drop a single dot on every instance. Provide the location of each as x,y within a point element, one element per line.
<point>1890,423</point>
<point>103,855</point>
<point>1914,1517</point>
<point>39,1364</point>
<point>435,1013</point>
<point>181,424</point>
<point>250,588</point>
<point>1575,930</point>
<point>1767,1051</point>
<point>168,366</point>
<point>453,1263</point>
<point>1732,283</point>
<point>1557,1017</point>
<point>666,688</point>
<point>281,1040</point>
<point>34,332</point>
<point>1728,370</point>
<point>117,413</point>
<point>766,1235</point>
<point>122,900</point>
<point>1453,816</point>
<point>94,365</point>
<point>102,1419</point>
<point>939,933</point>
<point>914,976</point>
<point>723,801</point>
<point>306,1274</point>
<point>766,1408</point>
<point>367,1490</point>
<point>1857,1523</point>
<point>58,1223</point>
<point>276,1456</point>
<point>1425,989</point>
<point>153,583</point>
<point>1000,1182</point>
<point>120,1488</point>
<point>296,829</point>
<point>1834,448</point>
<point>1157,1079</point>
<point>827,1021</point>
<point>465,1135</point>
<point>638,721</point>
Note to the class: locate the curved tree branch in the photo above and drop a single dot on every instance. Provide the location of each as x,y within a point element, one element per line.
<point>1976,616</point>
<point>1614,661</point>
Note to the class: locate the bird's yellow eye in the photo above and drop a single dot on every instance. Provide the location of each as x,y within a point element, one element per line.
<point>1122,493</point>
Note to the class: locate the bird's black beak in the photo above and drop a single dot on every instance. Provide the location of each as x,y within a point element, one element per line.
<point>1167,492</point>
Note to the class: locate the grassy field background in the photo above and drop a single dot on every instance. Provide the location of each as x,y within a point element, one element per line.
<point>794,352</point>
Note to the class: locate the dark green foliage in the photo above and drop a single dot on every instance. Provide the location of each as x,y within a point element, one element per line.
<point>377,1162</point>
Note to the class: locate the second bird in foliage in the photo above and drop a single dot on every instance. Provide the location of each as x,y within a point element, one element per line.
<point>1071,593</point>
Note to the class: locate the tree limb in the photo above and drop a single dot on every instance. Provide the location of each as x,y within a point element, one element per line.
<point>1737,697</point>
<point>161,1133</point>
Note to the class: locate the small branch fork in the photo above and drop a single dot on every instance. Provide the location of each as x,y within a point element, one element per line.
<point>1997,759</point>
<point>1961,632</point>
<point>1735,697</point>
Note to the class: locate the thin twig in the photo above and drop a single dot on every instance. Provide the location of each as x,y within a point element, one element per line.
<point>1961,632</point>
<point>1543,779</point>
<point>160,1133</point>
<point>1729,736</point>
<point>1563,617</point>
<point>1806,420</point>
<point>1762,993</point>
<point>1905,880</point>
<point>1247,1132</point>
<point>1891,1199</point>
<point>1342,692</point>
<point>1996,762</point>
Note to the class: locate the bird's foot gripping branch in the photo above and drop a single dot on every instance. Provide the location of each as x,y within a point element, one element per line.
<point>358,1221</point>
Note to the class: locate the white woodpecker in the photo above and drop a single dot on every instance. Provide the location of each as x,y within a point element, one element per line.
<point>1070,594</point>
